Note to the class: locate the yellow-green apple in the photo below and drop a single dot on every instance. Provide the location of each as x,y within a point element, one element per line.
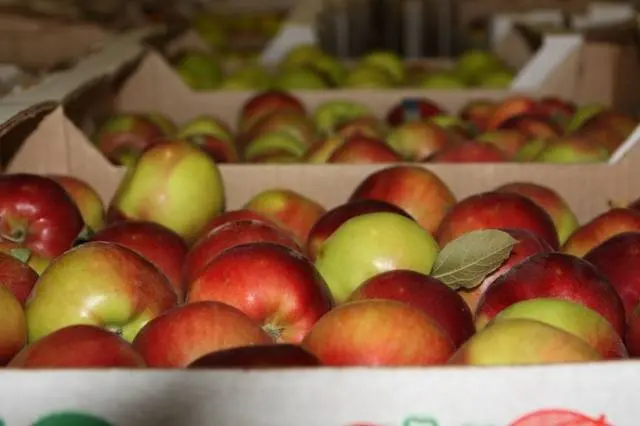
<point>221,151</point>
<point>98,283</point>
<point>457,129</point>
<point>206,125</point>
<point>16,275</point>
<point>418,140</point>
<point>563,217</point>
<point>181,335</point>
<point>416,190</point>
<point>275,286</point>
<point>163,122</point>
<point>13,327</point>
<point>37,262</point>
<point>512,106</point>
<point>387,61</point>
<point>327,224</point>
<point>289,209</point>
<point>469,151</point>
<point>528,244</point>
<point>430,295</point>
<point>282,355</point>
<point>372,243</point>
<point>86,199</point>
<point>378,333</point>
<point>277,158</point>
<point>632,337</point>
<point>533,126</point>
<point>79,346</point>
<point>572,150</point>
<point>299,79</point>
<point>361,149</point>
<point>502,343</point>
<point>199,70</point>
<point>331,69</point>
<point>530,150</point>
<point>156,243</point>
<point>124,135</point>
<point>301,54</point>
<point>368,77</point>
<point>498,79</point>
<point>496,210</point>
<point>582,115</point>
<point>267,103</point>
<point>573,318</point>
<point>369,126</point>
<point>411,109</point>
<point>229,235</point>
<point>508,141</point>
<point>300,127</point>
<point>601,228</point>
<point>474,63</point>
<point>330,114</point>
<point>36,212</point>
<point>559,110</point>
<point>321,150</point>
<point>274,143</point>
<point>618,258</point>
<point>478,112</point>
<point>253,78</point>
<point>162,188</point>
<point>233,216</point>
<point>555,275</point>
<point>442,80</point>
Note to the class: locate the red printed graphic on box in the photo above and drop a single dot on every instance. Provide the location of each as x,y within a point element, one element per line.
<point>559,417</point>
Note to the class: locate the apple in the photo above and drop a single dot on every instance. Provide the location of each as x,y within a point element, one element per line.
<point>266,103</point>
<point>600,134</point>
<point>478,112</point>
<point>442,80</point>
<point>559,110</point>
<point>330,114</point>
<point>299,79</point>
<point>496,210</point>
<point>364,150</point>
<point>416,190</point>
<point>528,244</point>
<point>418,140</point>
<point>277,158</point>
<point>632,337</point>
<point>232,234</point>
<point>36,212</point>
<point>411,109</point>
<point>219,150</point>
<point>582,115</point>
<point>498,79</point>
<point>531,150</point>
<point>438,301</point>
<point>601,228</point>
<point>242,79</point>
<point>275,143</point>
<point>457,129</point>
<point>289,209</point>
<point>163,122</point>
<point>387,61</point>
<point>233,216</point>
<point>469,151</point>
<point>555,275</point>
<point>563,217</point>
<point>282,355</point>
<point>369,126</point>
<point>474,63</point>
<point>16,275</point>
<point>512,106</point>
<point>621,123</point>
<point>327,224</point>
<point>274,285</point>
<point>331,69</point>
<point>301,54</point>
<point>572,150</point>
<point>533,126</point>
<point>161,188</point>
<point>36,262</point>
<point>372,243</point>
<point>365,76</point>
<point>503,344</point>
<point>86,199</point>
<point>13,327</point>
<point>159,245</point>
<point>617,258</point>
<point>573,318</point>
<point>321,150</point>
<point>510,142</point>
<point>292,123</point>
<point>182,335</point>
<point>78,346</point>
<point>126,134</point>
<point>199,70</point>
<point>378,333</point>
<point>205,125</point>
<point>98,283</point>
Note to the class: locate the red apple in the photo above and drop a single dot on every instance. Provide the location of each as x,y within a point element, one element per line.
<point>412,109</point>
<point>220,150</point>
<point>479,112</point>
<point>416,190</point>
<point>300,127</point>
<point>418,140</point>
<point>282,355</point>
<point>496,210</point>
<point>553,275</point>
<point>597,231</point>
<point>274,285</point>
<point>13,327</point>
<point>334,218</point>
<point>289,209</point>
<point>364,150</point>
<point>16,275</point>
<point>266,103</point>
<point>426,293</point>
<point>369,126</point>
<point>230,235</point>
<point>528,244</point>
<point>469,152</point>
<point>185,333</point>
<point>619,122</point>
<point>37,212</point>
<point>559,110</point>
<point>632,338</point>
<point>37,262</point>
<point>79,346</point>
<point>378,333</point>
<point>513,106</point>
<point>598,134</point>
<point>510,142</point>
<point>86,199</point>
<point>533,126</point>
<point>159,245</point>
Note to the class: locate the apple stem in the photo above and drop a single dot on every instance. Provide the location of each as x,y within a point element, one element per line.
<point>274,331</point>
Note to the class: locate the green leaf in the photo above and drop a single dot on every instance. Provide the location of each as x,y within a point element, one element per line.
<point>23,254</point>
<point>467,260</point>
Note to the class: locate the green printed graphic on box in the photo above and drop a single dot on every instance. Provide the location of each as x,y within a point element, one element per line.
<point>69,418</point>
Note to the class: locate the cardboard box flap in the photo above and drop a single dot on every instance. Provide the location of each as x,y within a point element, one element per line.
<point>18,127</point>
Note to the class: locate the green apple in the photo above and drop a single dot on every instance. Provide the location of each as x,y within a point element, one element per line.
<point>13,327</point>
<point>206,125</point>
<point>572,151</point>
<point>167,181</point>
<point>247,78</point>
<point>199,70</point>
<point>370,244</point>
<point>387,61</point>
<point>330,114</point>
<point>582,115</point>
<point>499,79</point>
<point>269,144</point>
<point>442,80</point>
<point>475,63</point>
<point>530,150</point>
<point>368,77</point>
<point>331,67</point>
<point>102,284</point>
<point>301,54</point>
<point>299,78</point>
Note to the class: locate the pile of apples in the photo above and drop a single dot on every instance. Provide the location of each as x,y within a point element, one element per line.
<point>401,274</point>
<point>307,67</point>
<point>276,127</point>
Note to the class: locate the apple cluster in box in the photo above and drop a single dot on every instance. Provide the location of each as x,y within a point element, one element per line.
<point>400,274</point>
<point>308,67</point>
<point>275,127</point>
